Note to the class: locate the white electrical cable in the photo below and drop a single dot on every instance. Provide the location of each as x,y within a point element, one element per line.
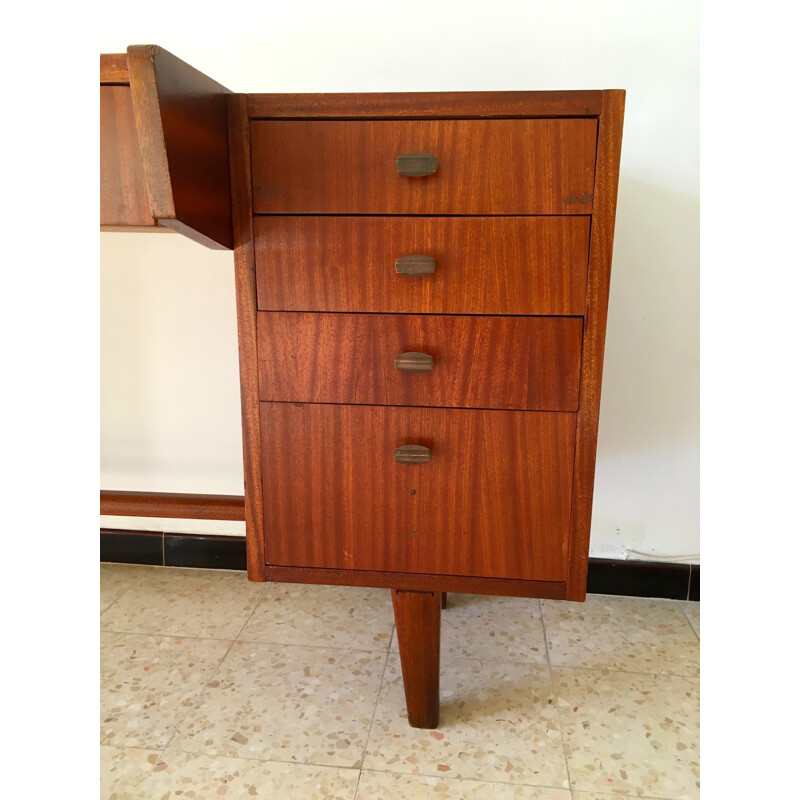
<point>655,557</point>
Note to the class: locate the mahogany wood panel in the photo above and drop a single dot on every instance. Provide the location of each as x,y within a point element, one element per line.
<point>499,166</point>
<point>417,617</point>
<point>521,363</point>
<point>401,105</point>
<point>553,590</point>
<point>114,69</point>
<point>607,180</point>
<point>182,124</point>
<point>124,200</point>
<point>245,279</point>
<point>484,265</point>
<point>492,502</point>
<point>168,504</point>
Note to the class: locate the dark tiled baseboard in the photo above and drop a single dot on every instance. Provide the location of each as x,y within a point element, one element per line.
<point>606,576</point>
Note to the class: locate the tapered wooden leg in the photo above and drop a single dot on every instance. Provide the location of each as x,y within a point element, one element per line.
<point>418,617</point>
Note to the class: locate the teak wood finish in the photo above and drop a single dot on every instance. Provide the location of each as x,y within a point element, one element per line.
<point>530,363</point>
<point>336,498</point>
<point>483,265</point>
<point>518,218</point>
<point>485,166</point>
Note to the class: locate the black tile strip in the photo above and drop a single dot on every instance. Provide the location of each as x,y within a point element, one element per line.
<point>694,582</point>
<point>199,550</point>
<point>606,576</point>
<point>638,578</point>
<point>132,547</point>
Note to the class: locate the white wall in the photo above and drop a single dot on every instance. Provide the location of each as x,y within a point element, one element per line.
<point>169,400</point>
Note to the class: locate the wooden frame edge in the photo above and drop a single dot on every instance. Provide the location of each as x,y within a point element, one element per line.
<point>418,582</point>
<point>246,315</point>
<point>114,69</point>
<point>172,505</point>
<point>609,143</point>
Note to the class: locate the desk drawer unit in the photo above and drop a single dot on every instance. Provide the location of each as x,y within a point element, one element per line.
<point>423,285</point>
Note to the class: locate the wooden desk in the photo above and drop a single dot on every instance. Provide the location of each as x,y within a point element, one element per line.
<point>422,284</point>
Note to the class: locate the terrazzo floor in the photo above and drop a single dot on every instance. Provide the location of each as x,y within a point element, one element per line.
<point>216,687</point>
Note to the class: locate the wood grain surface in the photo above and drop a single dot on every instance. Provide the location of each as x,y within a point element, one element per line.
<point>182,124</point>
<point>172,505</point>
<point>124,200</point>
<point>404,105</point>
<point>494,500</point>
<point>484,265</point>
<point>114,69</point>
<point>245,282</point>
<point>527,166</point>
<point>417,617</point>
<point>479,361</point>
<point>601,249</point>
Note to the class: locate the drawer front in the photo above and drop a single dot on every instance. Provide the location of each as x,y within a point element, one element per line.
<point>477,362</point>
<point>499,166</point>
<point>482,265</point>
<point>493,501</point>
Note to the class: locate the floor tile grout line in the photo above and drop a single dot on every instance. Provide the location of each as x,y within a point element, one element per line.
<point>210,678</point>
<point>555,698</point>
<point>691,624</point>
<point>374,713</point>
<point>362,769</point>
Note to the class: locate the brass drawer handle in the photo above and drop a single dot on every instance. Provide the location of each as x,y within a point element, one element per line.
<point>413,362</point>
<point>416,165</point>
<point>415,265</point>
<point>412,454</point>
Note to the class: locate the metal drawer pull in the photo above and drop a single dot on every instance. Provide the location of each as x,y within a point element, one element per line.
<point>415,265</point>
<point>416,165</point>
<point>413,362</point>
<point>412,454</point>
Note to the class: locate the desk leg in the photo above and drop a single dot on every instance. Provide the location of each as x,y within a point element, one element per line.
<point>418,617</point>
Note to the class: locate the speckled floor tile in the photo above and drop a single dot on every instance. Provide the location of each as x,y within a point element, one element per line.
<point>630,733</point>
<point>491,628</point>
<point>621,633</point>
<point>692,611</point>
<point>601,796</point>
<point>185,602</point>
<point>123,770</point>
<point>498,722</point>
<point>146,681</point>
<point>330,616</point>
<point>391,786</point>
<point>198,777</point>
<point>284,703</point>
<point>115,580</point>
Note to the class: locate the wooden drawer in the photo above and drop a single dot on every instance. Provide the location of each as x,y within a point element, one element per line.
<point>478,362</point>
<point>483,265</point>
<point>497,166</point>
<point>493,501</point>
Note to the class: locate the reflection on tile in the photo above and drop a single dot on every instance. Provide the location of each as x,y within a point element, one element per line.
<point>331,616</point>
<point>122,771</point>
<point>621,633</point>
<point>284,703</point>
<point>196,776</point>
<point>185,602</point>
<point>493,628</point>
<point>391,786</point>
<point>498,722</point>
<point>115,580</point>
<point>630,733</point>
<point>145,682</point>
<point>692,611</point>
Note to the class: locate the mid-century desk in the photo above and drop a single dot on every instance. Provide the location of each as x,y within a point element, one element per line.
<point>422,284</point>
